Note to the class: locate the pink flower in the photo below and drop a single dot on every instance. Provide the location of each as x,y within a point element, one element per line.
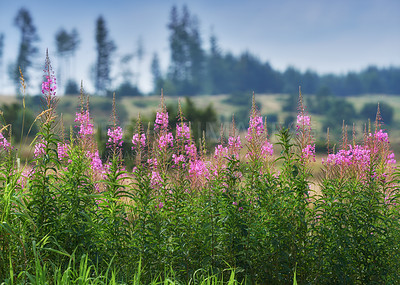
<point>267,149</point>
<point>155,180</point>
<point>62,150</point>
<point>391,158</point>
<point>191,151</point>
<point>165,140</point>
<point>256,127</point>
<point>234,146</point>
<point>198,169</point>
<point>153,162</point>
<point>182,131</point>
<point>161,121</point>
<point>234,142</point>
<point>86,128</point>
<point>26,174</point>
<point>4,143</point>
<point>40,149</point>
<point>95,161</point>
<point>178,159</point>
<point>220,151</point>
<point>381,136</point>
<point>49,86</point>
<point>160,205</point>
<point>308,153</point>
<point>139,141</point>
<point>303,121</point>
<point>115,136</point>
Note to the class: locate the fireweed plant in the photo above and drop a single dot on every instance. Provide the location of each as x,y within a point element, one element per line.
<point>243,211</point>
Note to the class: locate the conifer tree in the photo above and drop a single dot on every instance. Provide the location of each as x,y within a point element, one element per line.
<point>105,47</point>
<point>27,49</point>
<point>67,44</point>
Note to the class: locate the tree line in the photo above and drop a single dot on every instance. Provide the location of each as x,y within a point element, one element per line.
<point>192,70</point>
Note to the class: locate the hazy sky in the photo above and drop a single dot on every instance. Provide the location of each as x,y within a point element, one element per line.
<point>322,35</point>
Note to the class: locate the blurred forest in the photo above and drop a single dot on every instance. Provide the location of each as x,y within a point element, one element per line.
<point>193,70</point>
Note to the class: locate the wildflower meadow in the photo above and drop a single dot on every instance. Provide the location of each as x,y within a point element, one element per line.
<point>248,211</point>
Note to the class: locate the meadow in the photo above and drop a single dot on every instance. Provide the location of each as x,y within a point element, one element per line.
<point>243,213</point>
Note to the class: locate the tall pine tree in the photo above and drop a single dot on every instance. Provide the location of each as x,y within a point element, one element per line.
<point>156,73</point>
<point>105,47</point>
<point>27,48</point>
<point>186,70</point>
<point>67,44</point>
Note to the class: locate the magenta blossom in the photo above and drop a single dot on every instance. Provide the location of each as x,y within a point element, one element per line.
<point>191,151</point>
<point>155,179</point>
<point>40,149</point>
<point>165,140</point>
<point>161,121</point>
<point>182,131</point>
<point>4,143</point>
<point>256,127</point>
<point>86,128</point>
<point>303,121</point>
<point>234,145</point>
<point>115,136</point>
<point>153,162</point>
<point>198,169</point>
<point>381,136</point>
<point>62,150</point>
<point>49,86</point>
<point>267,149</point>
<point>220,151</point>
<point>139,141</point>
<point>178,159</point>
<point>308,153</point>
<point>95,161</point>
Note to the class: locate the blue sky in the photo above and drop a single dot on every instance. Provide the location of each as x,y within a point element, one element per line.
<point>321,35</point>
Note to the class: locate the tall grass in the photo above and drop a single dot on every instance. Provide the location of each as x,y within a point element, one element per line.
<point>184,215</point>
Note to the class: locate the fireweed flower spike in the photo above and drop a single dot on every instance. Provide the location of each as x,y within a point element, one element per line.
<point>138,140</point>
<point>4,144</point>
<point>161,122</point>
<point>49,87</point>
<point>39,149</point>
<point>62,150</point>
<point>234,142</point>
<point>85,127</point>
<point>182,131</point>
<point>114,137</point>
<point>303,132</point>
<point>259,149</point>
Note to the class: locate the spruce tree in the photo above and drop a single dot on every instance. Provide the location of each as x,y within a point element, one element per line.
<point>67,44</point>
<point>187,56</point>
<point>27,48</point>
<point>105,47</point>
